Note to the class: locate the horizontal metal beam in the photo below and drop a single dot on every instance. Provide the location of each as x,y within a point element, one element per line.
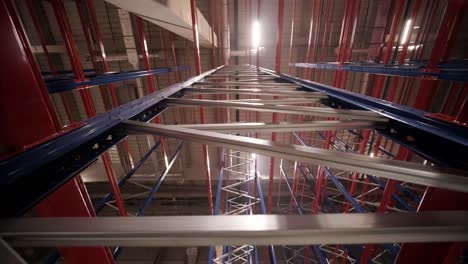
<point>284,126</point>
<point>60,84</point>
<point>237,230</point>
<point>404,70</point>
<point>285,101</point>
<point>392,169</point>
<point>253,91</point>
<point>296,110</point>
<point>30,176</point>
<point>236,76</point>
<point>233,83</point>
<point>442,143</point>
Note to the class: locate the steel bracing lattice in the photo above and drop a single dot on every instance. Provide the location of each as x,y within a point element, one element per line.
<point>239,178</point>
<point>239,170</point>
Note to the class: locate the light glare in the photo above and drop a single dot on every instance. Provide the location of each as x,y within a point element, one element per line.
<point>256,34</point>
<point>406,32</point>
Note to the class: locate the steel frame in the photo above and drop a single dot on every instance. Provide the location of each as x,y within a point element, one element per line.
<point>402,70</point>
<point>236,229</point>
<point>322,189</point>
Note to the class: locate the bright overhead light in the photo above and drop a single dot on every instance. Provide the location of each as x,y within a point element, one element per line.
<point>256,34</point>
<point>406,31</point>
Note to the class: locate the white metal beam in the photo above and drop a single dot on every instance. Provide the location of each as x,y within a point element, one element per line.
<point>392,169</point>
<point>287,109</point>
<point>237,229</point>
<point>284,126</point>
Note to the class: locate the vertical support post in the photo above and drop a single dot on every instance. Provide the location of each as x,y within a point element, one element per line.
<point>309,41</point>
<point>279,40</point>
<point>196,51</point>
<point>258,48</point>
<point>275,114</point>
<point>292,36</point>
<point>144,51</point>
<point>212,7</point>
<point>59,11</point>
<point>150,78</point>
<point>92,12</point>
<point>389,46</point>
<point>174,58</point>
<point>30,97</point>
<point>446,34</point>
<point>325,28</point>
<point>50,62</point>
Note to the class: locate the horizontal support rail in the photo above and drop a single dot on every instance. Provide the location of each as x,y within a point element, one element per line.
<point>285,101</point>
<point>392,70</point>
<point>285,126</point>
<point>237,230</point>
<point>297,110</point>
<point>253,91</point>
<point>233,83</point>
<point>55,85</point>
<point>392,169</point>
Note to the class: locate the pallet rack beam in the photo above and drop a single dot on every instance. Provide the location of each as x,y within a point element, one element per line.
<point>236,229</point>
<point>402,70</point>
<point>61,84</point>
<point>392,169</point>
<point>285,126</point>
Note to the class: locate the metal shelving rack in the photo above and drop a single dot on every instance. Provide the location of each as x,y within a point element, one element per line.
<point>347,163</point>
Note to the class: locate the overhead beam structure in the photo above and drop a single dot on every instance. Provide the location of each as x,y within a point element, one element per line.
<point>401,122</point>
<point>236,229</point>
<point>284,126</point>
<point>392,169</point>
<point>447,71</point>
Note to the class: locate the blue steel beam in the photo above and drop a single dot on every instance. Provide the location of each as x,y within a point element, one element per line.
<point>158,183</point>
<point>392,249</point>
<point>375,179</point>
<point>153,192</point>
<point>64,83</point>
<point>400,188</point>
<point>217,201</point>
<point>124,179</point>
<point>404,70</point>
<point>49,75</point>
<point>318,252</point>
<point>271,250</point>
<point>406,126</point>
<point>31,175</point>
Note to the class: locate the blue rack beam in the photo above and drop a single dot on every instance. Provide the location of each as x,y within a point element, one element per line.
<point>153,192</point>
<point>322,259</point>
<point>403,70</point>
<point>373,178</point>
<point>439,142</point>
<point>50,75</point>
<point>271,248</point>
<point>30,176</point>
<point>65,83</point>
<point>392,249</point>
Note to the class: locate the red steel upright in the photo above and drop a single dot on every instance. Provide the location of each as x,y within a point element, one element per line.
<point>292,36</point>
<point>30,101</point>
<point>60,14</point>
<point>196,52</point>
